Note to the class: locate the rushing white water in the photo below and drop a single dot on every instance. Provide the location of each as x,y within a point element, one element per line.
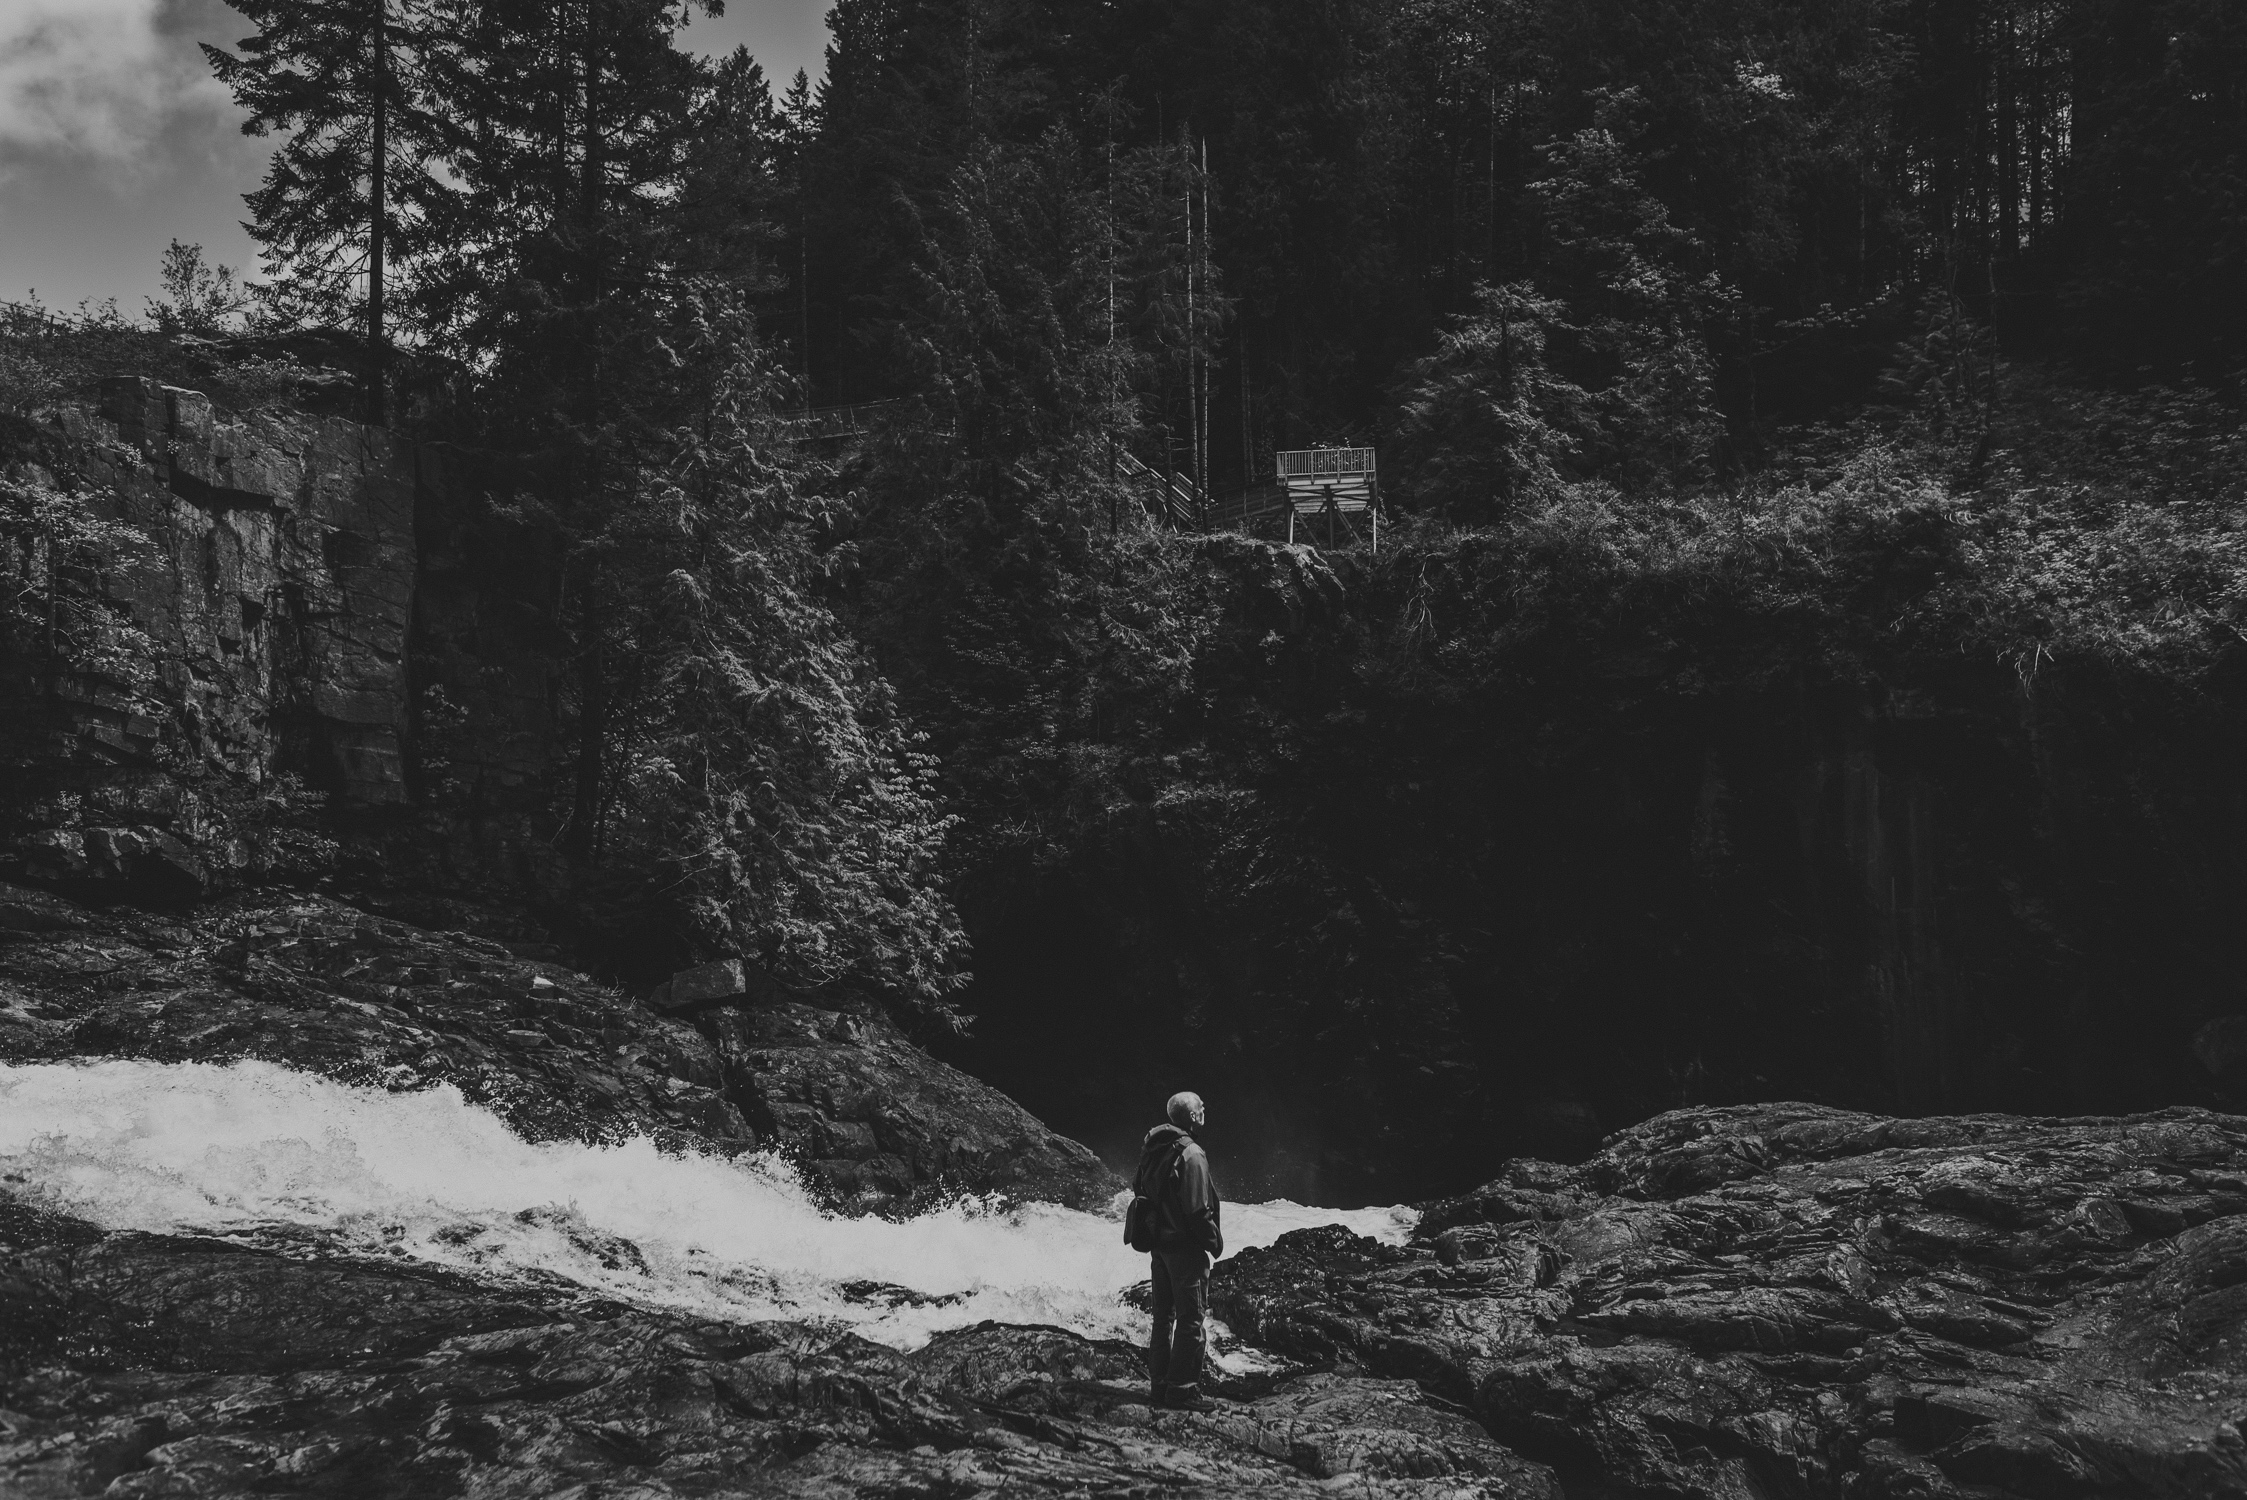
<point>246,1147</point>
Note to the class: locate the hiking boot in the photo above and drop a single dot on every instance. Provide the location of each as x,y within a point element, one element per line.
<point>1187,1398</point>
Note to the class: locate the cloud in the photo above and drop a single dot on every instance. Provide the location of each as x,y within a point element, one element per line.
<point>117,86</point>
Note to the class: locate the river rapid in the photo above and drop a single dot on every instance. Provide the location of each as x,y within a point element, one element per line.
<point>259,1153</point>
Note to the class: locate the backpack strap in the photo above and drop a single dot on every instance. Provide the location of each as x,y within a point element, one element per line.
<point>1170,1173</point>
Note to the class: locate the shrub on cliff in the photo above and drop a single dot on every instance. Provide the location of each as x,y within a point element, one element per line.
<point>57,615</point>
<point>192,337</point>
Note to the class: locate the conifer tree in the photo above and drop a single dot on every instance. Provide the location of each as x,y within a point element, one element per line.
<point>733,200</point>
<point>1488,427</point>
<point>583,118</point>
<point>577,122</point>
<point>352,196</point>
<point>758,760</point>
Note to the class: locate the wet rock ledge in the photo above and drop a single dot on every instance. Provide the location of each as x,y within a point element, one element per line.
<point>143,1366</point>
<point>322,986</point>
<point>1783,1300</point>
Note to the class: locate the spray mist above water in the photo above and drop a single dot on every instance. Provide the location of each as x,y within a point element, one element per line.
<point>233,1149</point>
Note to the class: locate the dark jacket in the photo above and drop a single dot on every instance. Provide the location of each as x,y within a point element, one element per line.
<point>1174,1171</point>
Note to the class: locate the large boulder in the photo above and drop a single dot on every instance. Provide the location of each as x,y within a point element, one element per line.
<point>1790,1300</point>
<point>882,1121</point>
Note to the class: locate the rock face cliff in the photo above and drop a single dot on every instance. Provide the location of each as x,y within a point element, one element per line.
<point>261,627</point>
<point>291,609</point>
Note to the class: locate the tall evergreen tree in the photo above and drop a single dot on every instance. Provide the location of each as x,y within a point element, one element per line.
<point>576,118</point>
<point>578,128</point>
<point>755,759</point>
<point>355,198</point>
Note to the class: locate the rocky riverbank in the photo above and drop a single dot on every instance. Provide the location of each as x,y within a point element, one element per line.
<point>289,1360</point>
<point>146,1366</point>
<point>1785,1300</point>
<point>1722,1304</point>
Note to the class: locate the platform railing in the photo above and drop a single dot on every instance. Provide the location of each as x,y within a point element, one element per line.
<point>826,423</point>
<point>1324,463</point>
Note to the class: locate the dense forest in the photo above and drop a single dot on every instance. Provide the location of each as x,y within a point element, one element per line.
<point>1803,657</point>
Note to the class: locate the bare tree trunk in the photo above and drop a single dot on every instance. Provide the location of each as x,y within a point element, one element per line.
<point>1193,323</point>
<point>378,164</point>
<point>592,727</point>
<point>803,273</point>
<point>1201,383</point>
<point>591,172</point>
<point>1248,417</point>
<point>593,683</point>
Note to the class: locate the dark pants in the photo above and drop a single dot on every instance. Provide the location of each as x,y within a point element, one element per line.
<point>1174,1358</point>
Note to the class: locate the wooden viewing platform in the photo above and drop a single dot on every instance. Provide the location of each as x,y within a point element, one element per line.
<point>1335,483</point>
<point>1339,484</point>
<point>842,423</point>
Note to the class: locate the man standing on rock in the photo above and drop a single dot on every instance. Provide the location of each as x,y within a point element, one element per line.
<point>1174,1175</point>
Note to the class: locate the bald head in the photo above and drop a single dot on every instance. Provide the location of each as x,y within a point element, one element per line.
<point>1186,1111</point>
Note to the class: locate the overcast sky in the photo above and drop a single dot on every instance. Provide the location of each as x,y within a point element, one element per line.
<point>114,138</point>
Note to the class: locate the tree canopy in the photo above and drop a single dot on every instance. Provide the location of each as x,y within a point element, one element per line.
<point>1664,318</point>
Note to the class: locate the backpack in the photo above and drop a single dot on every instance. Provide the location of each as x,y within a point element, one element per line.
<point>1140,1218</point>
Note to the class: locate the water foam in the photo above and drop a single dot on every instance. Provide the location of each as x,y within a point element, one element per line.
<point>248,1147</point>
